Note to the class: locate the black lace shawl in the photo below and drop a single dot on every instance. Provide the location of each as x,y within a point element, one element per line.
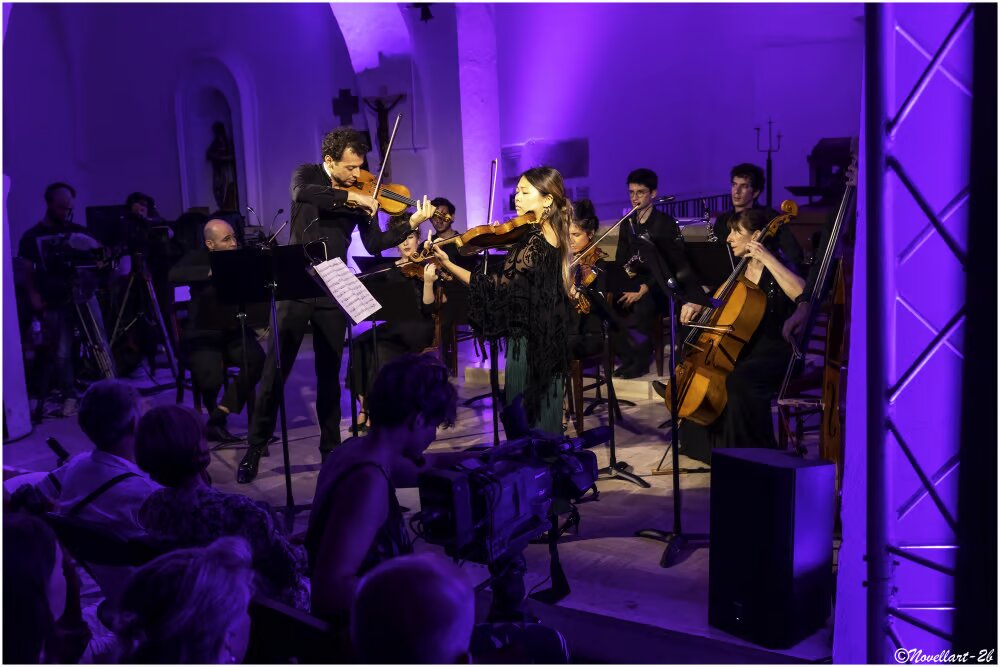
<point>526,301</point>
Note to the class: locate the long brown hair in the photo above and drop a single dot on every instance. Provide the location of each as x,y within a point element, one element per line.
<point>549,181</point>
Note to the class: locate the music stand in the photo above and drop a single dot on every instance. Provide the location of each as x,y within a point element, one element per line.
<point>261,274</point>
<point>666,279</point>
<point>712,262</point>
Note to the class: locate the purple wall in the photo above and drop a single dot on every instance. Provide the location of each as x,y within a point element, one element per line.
<point>90,95</point>
<point>679,88</point>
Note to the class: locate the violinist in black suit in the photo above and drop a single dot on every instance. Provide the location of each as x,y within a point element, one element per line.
<point>324,213</point>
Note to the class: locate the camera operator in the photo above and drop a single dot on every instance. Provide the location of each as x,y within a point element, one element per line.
<point>146,244</point>
<point>52,286</point>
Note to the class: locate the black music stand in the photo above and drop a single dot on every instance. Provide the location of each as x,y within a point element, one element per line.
<point>601,308</point>
<point>266,274</point>
<point>666,278</point>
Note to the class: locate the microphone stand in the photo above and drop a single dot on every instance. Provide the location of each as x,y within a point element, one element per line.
<point>494,345</point>
<point>676,540</point>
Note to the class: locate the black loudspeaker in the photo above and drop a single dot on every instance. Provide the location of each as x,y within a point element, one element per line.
<point>770,565</point>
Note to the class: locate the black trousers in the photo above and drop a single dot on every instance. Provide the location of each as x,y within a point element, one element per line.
<point>329,325</point>
<point>208,358</point>
<point>634,344</point>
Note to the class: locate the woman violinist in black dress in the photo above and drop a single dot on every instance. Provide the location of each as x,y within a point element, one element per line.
<point>397,338</point>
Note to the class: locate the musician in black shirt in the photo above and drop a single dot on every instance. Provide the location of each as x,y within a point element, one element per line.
<point>212,338</point>
<point>324,213</point>
<point>648,301</point>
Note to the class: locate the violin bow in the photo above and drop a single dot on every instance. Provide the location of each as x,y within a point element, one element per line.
<point>494,169</point>
<point>385,160</point>
<point>601,238</point>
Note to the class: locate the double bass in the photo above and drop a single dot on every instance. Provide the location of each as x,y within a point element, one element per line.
<point>719,336</point>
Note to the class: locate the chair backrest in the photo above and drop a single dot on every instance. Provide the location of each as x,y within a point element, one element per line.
<point>282,634</point>
<point>92,544</point>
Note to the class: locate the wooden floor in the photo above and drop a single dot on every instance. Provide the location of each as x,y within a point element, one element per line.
<point>623,607</point>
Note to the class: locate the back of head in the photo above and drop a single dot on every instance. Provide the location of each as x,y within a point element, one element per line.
<point>410,385</point>
<point>108,413</point>
<point>185,606</point>
<point>29,558</point>
<point>413,609</point>
<point>170,445</point>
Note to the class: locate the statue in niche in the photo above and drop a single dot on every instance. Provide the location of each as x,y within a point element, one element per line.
<point>222,155</point>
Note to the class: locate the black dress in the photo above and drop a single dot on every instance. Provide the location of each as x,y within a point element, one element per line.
<point>586,337</point>
<point>395,338</point>
<point>746,420</point>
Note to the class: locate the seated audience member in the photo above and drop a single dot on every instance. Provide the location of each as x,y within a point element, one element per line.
<point>356,522</point>
<point>104,486</point>
<point>170,443</point>
<point>422,602</point>
<point>41,595</point>
<point>189,606</point>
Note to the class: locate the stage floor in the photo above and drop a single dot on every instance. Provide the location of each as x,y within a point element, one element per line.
<point>623,606</point>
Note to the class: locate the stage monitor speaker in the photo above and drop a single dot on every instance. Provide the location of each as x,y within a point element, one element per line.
<point>770,567</point>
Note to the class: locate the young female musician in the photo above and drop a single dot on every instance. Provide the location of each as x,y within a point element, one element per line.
<point>586,337</point>
<point>397,338</point>
<point>527,303</point>
<point>746,420</point>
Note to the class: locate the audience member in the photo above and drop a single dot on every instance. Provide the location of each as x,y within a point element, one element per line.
<point>189,606</point>
<point>356,522</point>
<point>430,624</point>
<point>41,595</point>
<point>170,443</point>
<point>104,486</point>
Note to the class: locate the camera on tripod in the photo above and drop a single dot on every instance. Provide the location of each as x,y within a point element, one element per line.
<point>492,504</point>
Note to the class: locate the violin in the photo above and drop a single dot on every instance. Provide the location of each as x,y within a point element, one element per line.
<point>393,198</point>
<point>585,272</point>
<point>414,268</point>
<point>487,236</point>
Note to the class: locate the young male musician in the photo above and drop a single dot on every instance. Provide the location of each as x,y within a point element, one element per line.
<point>323,209</point>
<point>648,301</point>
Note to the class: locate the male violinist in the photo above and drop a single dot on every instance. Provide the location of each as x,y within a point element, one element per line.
<point>646,302</point>
<point>324,210</point>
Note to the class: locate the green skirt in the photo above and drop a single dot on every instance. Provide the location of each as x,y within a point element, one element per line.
<point>515,378</point>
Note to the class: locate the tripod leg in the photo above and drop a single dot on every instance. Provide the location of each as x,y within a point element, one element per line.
<point>117,331</point>
<point>167,345</point>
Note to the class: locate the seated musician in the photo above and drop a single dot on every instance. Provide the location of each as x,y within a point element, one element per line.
<point>443,220</point>
<point>746,182</point>
<point>211,341</point>
<point>586,338</point>
<point>396,338</point>
<point>647,301</point>
<point>746,420</point>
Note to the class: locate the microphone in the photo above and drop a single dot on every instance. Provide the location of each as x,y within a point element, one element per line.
<point>311,223</point>
<point>61,454</point>
<point>250,208</point>
<point>280,211</point>
<point>663,200</point>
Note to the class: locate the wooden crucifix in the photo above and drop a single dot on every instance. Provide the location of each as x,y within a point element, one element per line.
<point>382,106</point>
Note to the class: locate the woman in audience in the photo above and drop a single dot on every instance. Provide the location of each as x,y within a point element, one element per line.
<point>189,606</point>
<point>41,595</point>
<point>170,444</point>
<point>356,522</point>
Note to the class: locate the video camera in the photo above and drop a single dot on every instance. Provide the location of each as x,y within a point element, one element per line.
<point>491,505</point>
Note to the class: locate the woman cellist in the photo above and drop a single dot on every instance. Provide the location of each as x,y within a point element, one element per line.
<point>527,303</point>
<point>746,420</point>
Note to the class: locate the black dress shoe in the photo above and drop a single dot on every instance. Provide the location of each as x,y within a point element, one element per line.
<point>621,370</point>
<point>660,388</point>
<point>247,472</point>
<point>633,372</point>
<point>219,433</point>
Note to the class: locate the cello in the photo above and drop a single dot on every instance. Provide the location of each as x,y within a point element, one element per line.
<point>719,336</point>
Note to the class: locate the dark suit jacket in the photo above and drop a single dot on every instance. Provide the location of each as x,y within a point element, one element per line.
<point>665,235</point>
<point>313,197</point>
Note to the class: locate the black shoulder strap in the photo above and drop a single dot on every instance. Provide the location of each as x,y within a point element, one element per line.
<point>98,492</point>
<point>54,481</point>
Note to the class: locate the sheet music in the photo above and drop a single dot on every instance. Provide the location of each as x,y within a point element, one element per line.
<point>347,290</point>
